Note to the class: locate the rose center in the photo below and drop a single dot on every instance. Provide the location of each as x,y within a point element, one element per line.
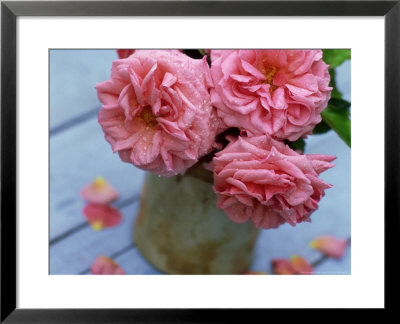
<point>269,73</point>
<point>146,116</point>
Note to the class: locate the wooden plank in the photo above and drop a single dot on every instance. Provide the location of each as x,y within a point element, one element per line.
<point>73,75</point>
<point>134,263</point>
<point>336,267</point>
<point>77,156</point>
<point>76,253</point>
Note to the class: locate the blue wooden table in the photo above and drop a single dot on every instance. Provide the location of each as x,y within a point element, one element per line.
<point>79,154</point>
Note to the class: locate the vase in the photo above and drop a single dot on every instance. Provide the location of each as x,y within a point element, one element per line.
<point>180,230</point>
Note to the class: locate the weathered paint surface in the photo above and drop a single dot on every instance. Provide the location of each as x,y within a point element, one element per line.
<point>180,230</point>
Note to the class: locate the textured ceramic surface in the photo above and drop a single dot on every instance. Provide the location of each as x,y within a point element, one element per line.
<point>180,230</point>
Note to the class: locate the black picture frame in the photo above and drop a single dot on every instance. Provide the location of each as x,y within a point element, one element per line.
<point>10,10</point>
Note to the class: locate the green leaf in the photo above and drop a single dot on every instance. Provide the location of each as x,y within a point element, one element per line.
<point>337,114</point>
<point>298,145</point>
<point>335,57</point>
<point>340,104</point>
<point>321,128</point>
<point>202,52</point>
<point>338,119</point>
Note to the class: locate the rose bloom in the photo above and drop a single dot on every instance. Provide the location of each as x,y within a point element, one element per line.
<point>264,180</point>
<point>277,92</point>
<point>157,112</point>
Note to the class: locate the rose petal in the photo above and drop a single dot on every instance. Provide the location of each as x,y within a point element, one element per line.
<point>106,266</point>
<point>330,246</point>
<point>282,267</point>
<point>301,265</point>
<point>102,216</point>
<point>99,192</point>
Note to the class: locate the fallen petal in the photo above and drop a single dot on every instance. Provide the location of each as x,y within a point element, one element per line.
<point>102,216</point>
<point>106,266</point>
<point>99,192</point>
<point>330,246</point>
<point>282,267</point>
<point>301,265</point>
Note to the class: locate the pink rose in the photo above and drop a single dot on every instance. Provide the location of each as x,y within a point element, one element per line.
<point>157,112</point>
<point>275,92</point>
<point>264,180</point>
